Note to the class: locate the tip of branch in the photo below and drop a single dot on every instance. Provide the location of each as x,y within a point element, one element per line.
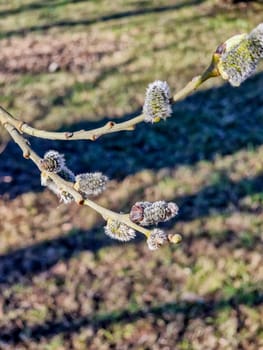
<point>174,238</point>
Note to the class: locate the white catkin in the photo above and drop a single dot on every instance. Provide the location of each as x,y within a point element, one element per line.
<point>119,231</point>
<point>147,213</point>
<point>53,161</point>
<point>91,184</point>
<point>157,101</point>
<point>156,239</point>
<point>240,61</point>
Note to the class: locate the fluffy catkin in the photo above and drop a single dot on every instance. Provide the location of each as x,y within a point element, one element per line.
<point>147,213</point>
<point>157,102</point>
<point>256,37</point>
<point>91,184</point>
<point>53,161</point>
<point>156,239</point>
<point>239,61</point>
<point>119,231</point>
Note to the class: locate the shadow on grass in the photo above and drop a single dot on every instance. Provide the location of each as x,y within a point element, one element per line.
<point>38,6</point>
<point>218,197</point>
<point>22,264</point>
<point>105,18</point>
<point>70,323</point>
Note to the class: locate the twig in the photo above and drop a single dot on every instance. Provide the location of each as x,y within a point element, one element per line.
<point>210,72</point>
<point>111,126</point>
<point>108,214</point>
<point>28,153</point>
<point>16,128</point>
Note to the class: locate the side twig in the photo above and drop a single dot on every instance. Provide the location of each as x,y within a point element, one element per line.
<point>28,153</point>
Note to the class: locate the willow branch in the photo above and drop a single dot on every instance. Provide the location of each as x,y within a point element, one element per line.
<point>28,153</point>
<point>110,127</point>
<point>109,214</point>
<point>92,135</point>
<point>16,128</point>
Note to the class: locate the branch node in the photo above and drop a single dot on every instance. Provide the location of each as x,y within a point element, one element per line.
<point>94,137</point>
<point>110,124</point>
<point>20,126</point>
<point>26,154</point>
<point>68,134</point>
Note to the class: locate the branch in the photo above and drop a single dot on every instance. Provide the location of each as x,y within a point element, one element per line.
<point>16,128</point>
<point>111,126</point>
<point>28,153</point>
<point>246,50</point>
<point>210,72</point>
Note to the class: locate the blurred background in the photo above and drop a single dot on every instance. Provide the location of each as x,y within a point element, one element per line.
<point>67,65</point>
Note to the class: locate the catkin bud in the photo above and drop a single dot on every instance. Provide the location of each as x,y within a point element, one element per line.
<point>90,184</point>
<point>53,162</point>
<point>67,175</point>
<point>156,239</point>
<point>240,55</point>
<point>157,102</point>
<point>146,213</point>
<point>118,230</point>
